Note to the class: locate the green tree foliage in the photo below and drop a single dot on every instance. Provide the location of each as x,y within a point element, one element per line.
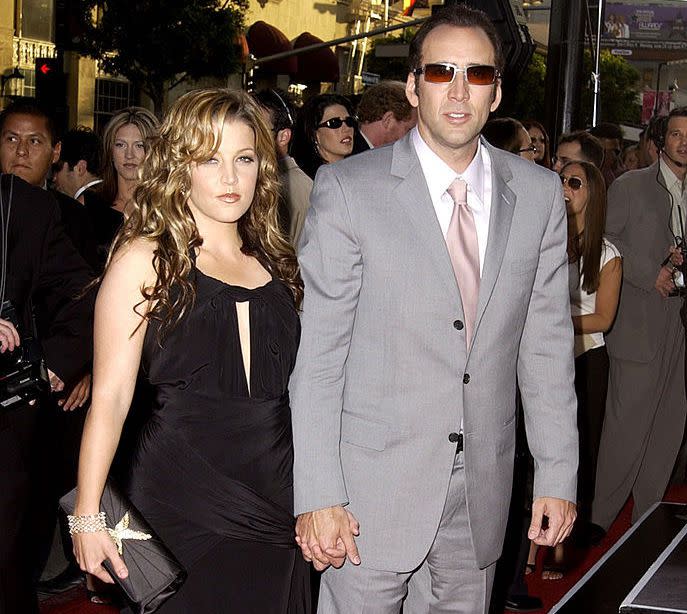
<point>158,44</point>
<point>619,89</point>
<point>529,91</point>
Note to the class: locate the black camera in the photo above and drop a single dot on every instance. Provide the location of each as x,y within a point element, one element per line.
<point>23,374</point>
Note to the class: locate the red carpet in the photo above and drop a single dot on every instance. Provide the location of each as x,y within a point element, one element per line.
<point>75,602</point>
<point>551,591</point>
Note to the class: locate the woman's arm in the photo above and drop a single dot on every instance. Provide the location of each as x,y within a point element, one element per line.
<point>606,301</point>
<point>118,342</point>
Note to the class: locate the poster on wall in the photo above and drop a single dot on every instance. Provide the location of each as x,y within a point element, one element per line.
<point>645,25</point>
<point>649,106</point>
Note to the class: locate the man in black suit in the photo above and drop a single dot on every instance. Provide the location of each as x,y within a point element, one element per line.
<point>28,149</point>
<point>76,174</point>
<point>41,264</point>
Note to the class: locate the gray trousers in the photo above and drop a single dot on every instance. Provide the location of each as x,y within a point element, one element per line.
<point>643,427</point>
<point>448,580</point>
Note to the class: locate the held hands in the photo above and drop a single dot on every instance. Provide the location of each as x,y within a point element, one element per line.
<point>91,549</point>
<point>327,537</point>
<point>561,515</point>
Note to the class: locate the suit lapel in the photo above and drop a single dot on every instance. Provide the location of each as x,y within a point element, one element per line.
<point>412,195</point>
<point>500,218</point>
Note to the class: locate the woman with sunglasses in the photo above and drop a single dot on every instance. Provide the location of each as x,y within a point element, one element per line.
<point>595,269</point>
<point>540,139</point>
<point>324,132</point>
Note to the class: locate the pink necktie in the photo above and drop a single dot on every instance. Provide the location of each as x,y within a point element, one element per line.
<point>461,241</point>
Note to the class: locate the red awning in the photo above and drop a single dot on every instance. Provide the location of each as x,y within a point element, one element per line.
<point>318,65</point>
<point>263,40</point>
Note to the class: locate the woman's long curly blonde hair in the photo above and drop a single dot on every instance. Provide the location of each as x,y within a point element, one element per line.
<point>189,134</point>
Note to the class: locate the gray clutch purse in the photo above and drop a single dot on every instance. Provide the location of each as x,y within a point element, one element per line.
<point>154,572</point>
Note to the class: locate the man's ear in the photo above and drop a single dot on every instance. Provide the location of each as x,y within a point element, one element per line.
<point>81,167</point>
<point>388,119</point>
<point>496,96</point>
<point>283,137</point>
<point>411,90</point>
<point>56,151</point>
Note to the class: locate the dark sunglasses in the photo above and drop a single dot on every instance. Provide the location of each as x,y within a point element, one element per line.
<point>445,72</point>
<point>574,183</point>
<point>337,122</point>
<point>531,148</point>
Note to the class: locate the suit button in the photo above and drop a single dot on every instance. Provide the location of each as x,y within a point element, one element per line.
<point>454,437</point>
<point>466,378</point>
<point>458,325</point>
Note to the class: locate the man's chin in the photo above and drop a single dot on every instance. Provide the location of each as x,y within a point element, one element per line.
<point>22,173</point>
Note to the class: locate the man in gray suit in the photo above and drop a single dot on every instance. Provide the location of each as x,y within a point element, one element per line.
<point>646,404</point>
<point>435,272</point>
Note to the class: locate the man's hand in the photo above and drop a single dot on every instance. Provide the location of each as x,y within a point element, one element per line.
<point>56,384</point>
<point>326,537</point>
<point>664,282</point>
<point>561,515</point>
<point>9,337</point>
<point>676,256</point>
<point>80,393</point>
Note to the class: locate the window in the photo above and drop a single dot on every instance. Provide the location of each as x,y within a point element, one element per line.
<point>28,83</point>
<point>111,95</point>
<point>37,17</point>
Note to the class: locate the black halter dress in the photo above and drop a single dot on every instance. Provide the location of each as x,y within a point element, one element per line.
<point>212,471</point>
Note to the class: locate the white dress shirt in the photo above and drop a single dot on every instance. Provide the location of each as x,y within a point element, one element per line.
<point>677,192</point>
<point>439,176</point>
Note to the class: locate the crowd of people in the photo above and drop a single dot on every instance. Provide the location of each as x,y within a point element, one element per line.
<point>324,335</point>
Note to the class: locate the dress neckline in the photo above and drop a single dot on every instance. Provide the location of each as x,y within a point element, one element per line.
<point>243,288</point>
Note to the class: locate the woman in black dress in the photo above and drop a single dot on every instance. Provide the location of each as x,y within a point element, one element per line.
<point>201,288</point>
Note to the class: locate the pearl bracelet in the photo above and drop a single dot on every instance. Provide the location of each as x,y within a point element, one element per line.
<point>89,523</point>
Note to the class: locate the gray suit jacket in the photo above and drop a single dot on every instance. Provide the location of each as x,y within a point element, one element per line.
<point>383,375</point>
<point>638,224</point>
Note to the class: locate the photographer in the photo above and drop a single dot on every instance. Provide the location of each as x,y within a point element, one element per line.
<point>40,267</point>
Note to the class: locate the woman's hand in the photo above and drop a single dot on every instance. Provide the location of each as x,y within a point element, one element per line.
<point>91,549</point>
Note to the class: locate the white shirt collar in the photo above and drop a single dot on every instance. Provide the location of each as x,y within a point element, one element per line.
<point>368,141</point>
<point>671,179</point>
<point>440,175</point>
<point>85,187</point>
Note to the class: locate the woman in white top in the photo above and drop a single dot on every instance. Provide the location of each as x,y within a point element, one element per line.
<point>595,276</point>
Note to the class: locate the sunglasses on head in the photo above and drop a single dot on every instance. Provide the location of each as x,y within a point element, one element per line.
<point>574,183</point>
<point>445,72</point>
<point>337,122</point>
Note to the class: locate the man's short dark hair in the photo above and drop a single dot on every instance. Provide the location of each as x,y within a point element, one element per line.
<point>459,16</point>
<point>656,130</point>
<point>383,97</point>
<point>504,133</point>
<point>81,144</point>
<point>607,130</point>
<point>277,102</point>
<point>591,147</point>
<point>28,106</point>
